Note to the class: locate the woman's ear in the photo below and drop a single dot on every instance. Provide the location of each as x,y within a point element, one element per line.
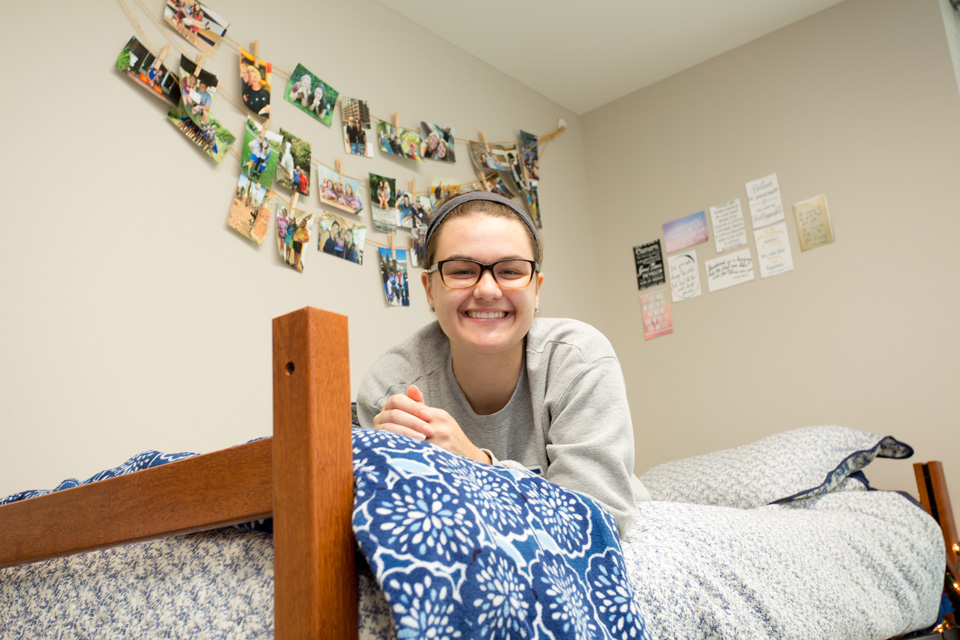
<point>425,280</point>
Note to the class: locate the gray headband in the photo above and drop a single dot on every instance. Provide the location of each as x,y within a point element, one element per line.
<point>453,203</point>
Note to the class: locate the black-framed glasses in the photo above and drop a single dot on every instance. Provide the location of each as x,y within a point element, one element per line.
<point>461,273</point>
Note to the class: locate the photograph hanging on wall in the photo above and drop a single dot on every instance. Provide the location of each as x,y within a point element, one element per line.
<point>356,126</point>
<point>418,247</point>
<point>338,191</point>
<point>197,24</point>
<point>393,272</point>
<point>413,210</point>
<point>530,175</point>
<point>197,88</point>
<point>437,143</point>
<point>293,169</point>
<point>649,261</point>
<point>293,235</point>
<point>250,209</point>
<point>311,94</point>
<point>139,65</point>
<point>383,196</point>
<point>398,141</point>
<point>341,237</point>
<point>211,136</point>
<point>256,78</point>
<point>442,189</point>
<point>260,153</point>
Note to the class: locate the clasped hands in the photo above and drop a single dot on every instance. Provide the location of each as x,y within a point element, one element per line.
<point>408,415</point>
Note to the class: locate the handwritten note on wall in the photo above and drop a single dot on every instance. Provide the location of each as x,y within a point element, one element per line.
<point>684,276</point>
<point>773,250</point>
<point>729,230</point>
<point>649,261</point>
<point>657,320</point>
<point>814,225</point>
<point>766,205</point>
<point>729,270</point>
<point>685,232</point>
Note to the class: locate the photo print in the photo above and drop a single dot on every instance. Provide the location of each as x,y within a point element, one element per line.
<point>250,209</point>
<point>339,191</point>
<point>442,189</point>
<point>530,176</point>
<point>197,24</point>
<point>413,211</point>
<point>383,197</point>
<point>393,272</point>
<point>293,169</point>
<point>138,63</point>
<point>356,126</point>
<point>260,153</point>
<point>437,142</point>
<point>197,89</point>
<point>418,251</point>
<point>500,166</point>
<point>256,78</point>
<point>293,234</point>
<point>211,136</point>
<point>311,94</point>
<point>398,141</point>
<point>341,237</point>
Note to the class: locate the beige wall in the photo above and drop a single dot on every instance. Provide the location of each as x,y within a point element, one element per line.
<point>133,318</point>
<point>860,103</point>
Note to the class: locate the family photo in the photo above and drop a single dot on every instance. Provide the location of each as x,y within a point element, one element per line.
<point>293,169</point>
<point>311,94</point>
<point>141,66</point>
<point>356,126</point>
<point>260,153</point>
<point>436,142</point>
<point>197,24</point>
<point>211,136</point>
<point>255,82</point>
<point>250,209</point>
<point>293,234</point>
<point>197,88</point>
<point>341,237</point>
<point>339,191</point>
<point>383,195</point>
<point>393,272</point>
<point>412,210</point>
<point>398,141</point>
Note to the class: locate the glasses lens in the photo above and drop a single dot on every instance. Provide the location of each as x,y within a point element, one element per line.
<point>460,274</point>
<point>513,273</point>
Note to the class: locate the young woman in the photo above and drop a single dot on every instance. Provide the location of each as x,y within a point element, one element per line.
<point>491,382</point>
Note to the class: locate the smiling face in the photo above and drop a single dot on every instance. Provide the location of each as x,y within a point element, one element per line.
<point>486,319</point>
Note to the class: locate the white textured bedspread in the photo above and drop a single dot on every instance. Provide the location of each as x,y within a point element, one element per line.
<point>850,564</point>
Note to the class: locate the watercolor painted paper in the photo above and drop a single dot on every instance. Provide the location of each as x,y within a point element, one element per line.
<point>814,225</point>
<point>657,320</point>
<point>685,232</point>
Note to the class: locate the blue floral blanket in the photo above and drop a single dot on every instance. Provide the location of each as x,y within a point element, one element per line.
<point>463,550</point>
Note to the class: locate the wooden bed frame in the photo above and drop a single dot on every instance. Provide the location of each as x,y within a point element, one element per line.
<point>302,477</point>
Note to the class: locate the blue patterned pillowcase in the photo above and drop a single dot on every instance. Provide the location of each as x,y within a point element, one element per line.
<point>466,550</point>
<point>799,463</point>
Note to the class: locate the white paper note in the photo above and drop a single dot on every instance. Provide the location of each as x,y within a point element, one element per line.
<point>766,205</point>
<point>727,271</point>
<point>729,230</point>
<point>773,250</point>
<point>684,276</point>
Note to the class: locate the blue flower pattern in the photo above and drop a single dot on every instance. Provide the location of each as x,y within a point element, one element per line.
<point>464,550</point>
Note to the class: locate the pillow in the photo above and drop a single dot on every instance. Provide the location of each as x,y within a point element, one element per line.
<point>799,463</point>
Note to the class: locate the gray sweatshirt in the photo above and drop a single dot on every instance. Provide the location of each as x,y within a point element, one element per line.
<point>567,420</point>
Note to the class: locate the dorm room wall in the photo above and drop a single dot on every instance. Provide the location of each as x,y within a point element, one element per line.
<point>859,102</point>
<point>133,317</point>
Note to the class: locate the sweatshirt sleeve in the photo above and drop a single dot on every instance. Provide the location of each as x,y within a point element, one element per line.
<point>590,437</point>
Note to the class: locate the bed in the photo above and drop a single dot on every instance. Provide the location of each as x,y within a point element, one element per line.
<point>780,538</point>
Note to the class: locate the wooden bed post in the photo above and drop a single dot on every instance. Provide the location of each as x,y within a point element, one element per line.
<point>314,573</point>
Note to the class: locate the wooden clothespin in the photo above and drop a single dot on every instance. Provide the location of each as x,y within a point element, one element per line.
<point>200,59</point>
<point>293,203</point>
<point>163,54</point>
<point>396,121</point>
<point>339,165</point>
<point>255,48</point>
<point>266,124</point>
<point>413,187</point>
<point>483,139</point>
<point>393,246</point>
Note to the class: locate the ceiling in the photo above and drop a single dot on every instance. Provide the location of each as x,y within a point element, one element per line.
<point>587,53</point>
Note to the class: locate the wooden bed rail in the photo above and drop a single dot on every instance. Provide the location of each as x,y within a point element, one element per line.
<point>302,477</point>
